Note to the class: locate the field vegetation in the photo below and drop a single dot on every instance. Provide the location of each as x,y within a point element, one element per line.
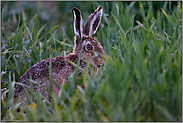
<point>140,81</point>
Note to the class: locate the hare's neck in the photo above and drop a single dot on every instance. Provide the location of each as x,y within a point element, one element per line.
<point>74,58</point>
<point>77,50</point>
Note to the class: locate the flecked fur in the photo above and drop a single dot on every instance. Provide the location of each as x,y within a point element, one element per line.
<point>61,68</point>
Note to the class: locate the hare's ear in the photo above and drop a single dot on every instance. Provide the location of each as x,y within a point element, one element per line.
<point>93,22</point>
<point>78,28</point>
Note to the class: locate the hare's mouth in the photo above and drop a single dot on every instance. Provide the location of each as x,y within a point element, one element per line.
<point>100,65</point>
<point>96,70</point>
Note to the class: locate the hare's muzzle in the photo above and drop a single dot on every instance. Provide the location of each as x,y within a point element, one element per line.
<point>98,61</point>
<point>101,64</point>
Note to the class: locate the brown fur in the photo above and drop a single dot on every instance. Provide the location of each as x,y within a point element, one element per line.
<point>61,68</point>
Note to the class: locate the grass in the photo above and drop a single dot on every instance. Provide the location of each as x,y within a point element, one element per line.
<point>141,79</point>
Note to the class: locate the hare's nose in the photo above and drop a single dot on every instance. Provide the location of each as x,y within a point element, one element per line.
<point>101,61</point>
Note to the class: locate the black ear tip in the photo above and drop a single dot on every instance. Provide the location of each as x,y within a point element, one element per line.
<point>100,7</point>
<point>75,9</point>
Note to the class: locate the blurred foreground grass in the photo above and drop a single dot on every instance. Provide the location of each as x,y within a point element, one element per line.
<point>141,80</point>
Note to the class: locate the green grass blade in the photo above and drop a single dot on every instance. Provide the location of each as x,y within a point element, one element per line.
<point>17,62</point>
<point>27,96</point>
<point>6,62</point>
<point>165,112</point>
<point>36,26</point>
<point>29,33</point>
<point>50,76</point>
<point>142,10</point>
<point>138,22</point>
<point>49,31</point>
<point>169,18</point>
<point>123,32</point>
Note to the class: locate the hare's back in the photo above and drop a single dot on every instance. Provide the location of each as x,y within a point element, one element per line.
<point>40,73</point>
<point>41,69</point>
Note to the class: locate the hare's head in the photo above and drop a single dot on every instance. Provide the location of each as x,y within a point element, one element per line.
<point>90,49</point>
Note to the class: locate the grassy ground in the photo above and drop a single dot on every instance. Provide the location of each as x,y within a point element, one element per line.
<point>142,77</point>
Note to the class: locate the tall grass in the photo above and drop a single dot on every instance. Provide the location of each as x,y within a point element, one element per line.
<point>141,79</point>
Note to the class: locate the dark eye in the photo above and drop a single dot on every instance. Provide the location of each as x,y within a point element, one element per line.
<point>89,47</point>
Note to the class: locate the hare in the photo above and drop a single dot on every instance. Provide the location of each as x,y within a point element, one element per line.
<point>86,47</point>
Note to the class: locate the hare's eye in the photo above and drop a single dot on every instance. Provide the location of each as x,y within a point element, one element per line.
<point>89,47</point>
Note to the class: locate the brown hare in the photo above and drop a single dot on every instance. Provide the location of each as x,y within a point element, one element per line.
<point>86,47</point>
